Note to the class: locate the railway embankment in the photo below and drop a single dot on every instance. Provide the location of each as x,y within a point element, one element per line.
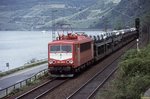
<point>132,79</point>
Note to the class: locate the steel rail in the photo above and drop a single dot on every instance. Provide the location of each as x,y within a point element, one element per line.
<point>26,93</point>
<point>42,89</point>
<point>91,95</point>
<point>50,90</point>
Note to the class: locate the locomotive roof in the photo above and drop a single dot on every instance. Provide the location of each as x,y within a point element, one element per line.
<point>79,39</point>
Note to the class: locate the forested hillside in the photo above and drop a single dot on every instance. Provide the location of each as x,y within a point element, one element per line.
<point>37,14</point>
<point>123,15</point>
<point>101,14</point>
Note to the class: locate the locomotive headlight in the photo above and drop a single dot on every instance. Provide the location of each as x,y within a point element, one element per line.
<point>50,62</point>
<point>70,61</point>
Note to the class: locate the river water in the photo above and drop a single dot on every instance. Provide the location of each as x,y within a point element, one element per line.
<point>20,47</point>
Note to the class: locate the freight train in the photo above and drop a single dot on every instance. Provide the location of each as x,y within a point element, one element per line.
<point>72,53</point>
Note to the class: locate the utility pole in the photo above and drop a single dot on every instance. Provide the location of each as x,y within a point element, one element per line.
<point>137,25</point>
<point>106,24</point>
<point>53,24</point>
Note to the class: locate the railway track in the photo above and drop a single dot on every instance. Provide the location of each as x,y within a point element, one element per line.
<point>42,89</point>
<point>87,90</point>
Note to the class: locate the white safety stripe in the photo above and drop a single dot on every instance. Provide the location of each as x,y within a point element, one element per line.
<point>60,56</point>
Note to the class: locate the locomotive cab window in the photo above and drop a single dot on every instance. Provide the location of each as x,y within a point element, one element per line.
<point>66,48</point>
<point>55,48</point>
<point>61,48</point>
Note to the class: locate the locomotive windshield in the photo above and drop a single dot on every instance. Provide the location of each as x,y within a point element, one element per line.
<point>61,48</point>
<point>55,48</point>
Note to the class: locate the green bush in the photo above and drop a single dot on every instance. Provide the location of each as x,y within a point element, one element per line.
<point>131,88</point>
<point>130,54</point>
<point>135,67</point>
<point>133,77</point>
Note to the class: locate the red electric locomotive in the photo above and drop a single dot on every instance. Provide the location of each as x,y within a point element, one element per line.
<point>69,54</point>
